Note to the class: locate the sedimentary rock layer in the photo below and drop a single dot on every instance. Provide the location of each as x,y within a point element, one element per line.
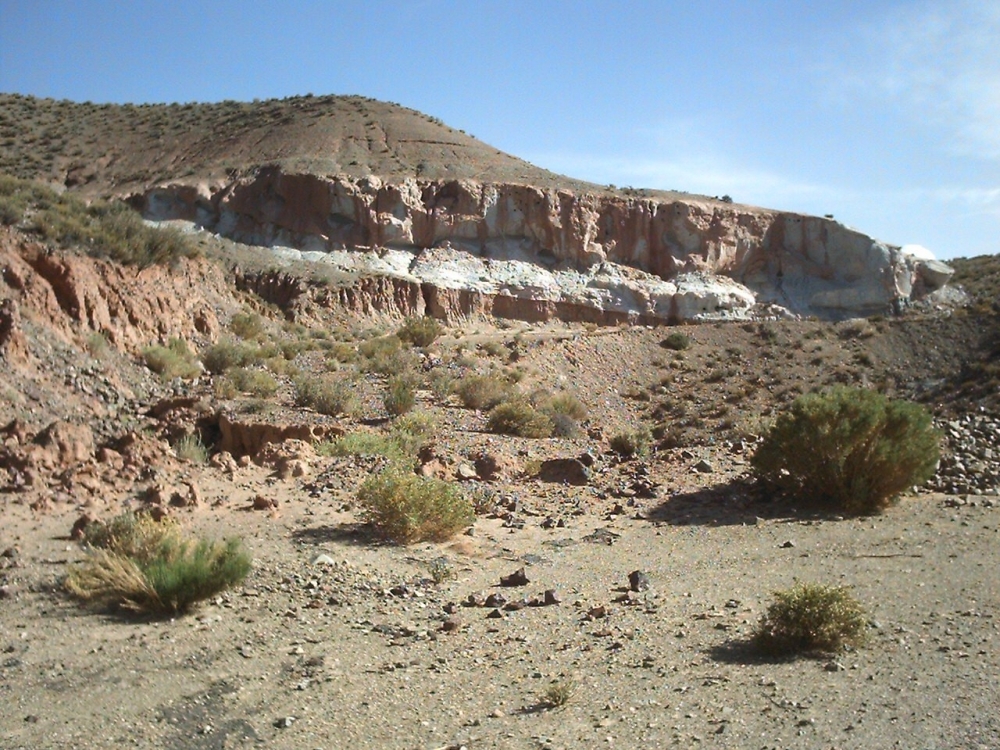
<point>636,258</point>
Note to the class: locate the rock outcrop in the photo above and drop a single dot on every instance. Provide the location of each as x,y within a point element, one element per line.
<point>511,248</point>
<point>76,294</point>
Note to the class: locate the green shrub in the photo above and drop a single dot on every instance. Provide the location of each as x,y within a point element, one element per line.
<point>175,360</point>
<point>386,356</point>
<point>406,508</point>
<point>247,325</point>
<point>563,403</point>
<point>632,443</point>
<point>400,395</point>
<point>676,341</point>
<point>253,382</point>
<point>190,448</point>
<point>482,391</point>
<point>343,352</point>
<point>408,434</point>
<point>849,448</point>
<point>811,617</point>
<point>102,229</point>
<point>326,394</point>
<point>518,417</point>
<point>97,344</point>
<point>139,564</point>
<point>420,331</point>
<point>227,354</point>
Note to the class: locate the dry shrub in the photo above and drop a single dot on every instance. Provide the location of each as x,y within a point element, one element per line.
<point>849,448</point>
<point>175,360</point>
<point>138,564</point>
<point>420,331</point>
<point>810,617</point>
<point>253,382</point>
<point>676,341</point>
<point>225,355</point>
<point>326,394</point>
<point>405,508</point>
<point>247,325</point>
<point>518,417</point>
<point>400,395</point>
<point>190,448</point>
<point>482,391</point>
<point>632,443</point>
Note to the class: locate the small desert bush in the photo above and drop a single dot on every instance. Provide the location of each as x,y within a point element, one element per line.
<point>406,508</point>
<point>190,448</point>
<point>175,360</point>
<point>342,353</point>
<point>855,328</point>
<point>362,443</point>
<point>327,394</point>
<point>420,331</point>
<point>558,693</point>
<point>482,391</point>
<point>632,443</point>
<point>248,326</point>
<point>139,564</point>
<point>810,617</point>
<point>253,382</point>
<point>228,354</point>
<point>400,395</point>
<point>441,382</point>
<point>520,418</point>
<point>97,344</point>
<point>385,355</point>
<point>850,448</point>
<point>566,404</point>
<point>676,341</point>
<point>408,434</point>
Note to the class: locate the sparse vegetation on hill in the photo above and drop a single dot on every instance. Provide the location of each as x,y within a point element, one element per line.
<point>101,229</point>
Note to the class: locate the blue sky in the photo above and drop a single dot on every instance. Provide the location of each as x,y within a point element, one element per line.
<point>885,114</point>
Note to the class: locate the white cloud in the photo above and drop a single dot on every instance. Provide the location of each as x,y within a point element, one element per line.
<point>939,61</point>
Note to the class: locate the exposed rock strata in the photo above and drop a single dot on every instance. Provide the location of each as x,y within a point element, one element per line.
<point>75,294</point>
<point>512,249</point>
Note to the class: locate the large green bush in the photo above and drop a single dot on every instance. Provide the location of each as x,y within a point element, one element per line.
<point>406,508</point>
<point>136,563</point>
<point>849,448</point>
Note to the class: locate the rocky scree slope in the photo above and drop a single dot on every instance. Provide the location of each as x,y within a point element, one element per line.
<point>451,223</point>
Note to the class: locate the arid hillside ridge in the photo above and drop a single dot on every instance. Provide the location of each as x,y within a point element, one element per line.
<point>375,189</point>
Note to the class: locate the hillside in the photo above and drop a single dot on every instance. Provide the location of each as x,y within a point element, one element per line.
<point>104,149</point>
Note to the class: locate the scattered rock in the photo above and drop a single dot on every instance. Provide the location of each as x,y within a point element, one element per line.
<point>80,526</point>
<point>517,578</point>
<point>638,581</point>
<point>264,503</point>
<point>565,471</point>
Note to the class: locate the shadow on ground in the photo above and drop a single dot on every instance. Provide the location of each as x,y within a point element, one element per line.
<point>356,534</point>
<point>734,503</point>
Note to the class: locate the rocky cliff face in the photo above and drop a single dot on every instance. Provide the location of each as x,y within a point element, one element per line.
<point>460,246</point>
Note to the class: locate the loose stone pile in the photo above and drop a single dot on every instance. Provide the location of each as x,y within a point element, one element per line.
<point>970,456</point>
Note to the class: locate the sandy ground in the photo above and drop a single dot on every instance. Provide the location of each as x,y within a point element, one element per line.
<point>350,652</point>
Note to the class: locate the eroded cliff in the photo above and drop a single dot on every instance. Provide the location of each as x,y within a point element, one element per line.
<point>556,251</point>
